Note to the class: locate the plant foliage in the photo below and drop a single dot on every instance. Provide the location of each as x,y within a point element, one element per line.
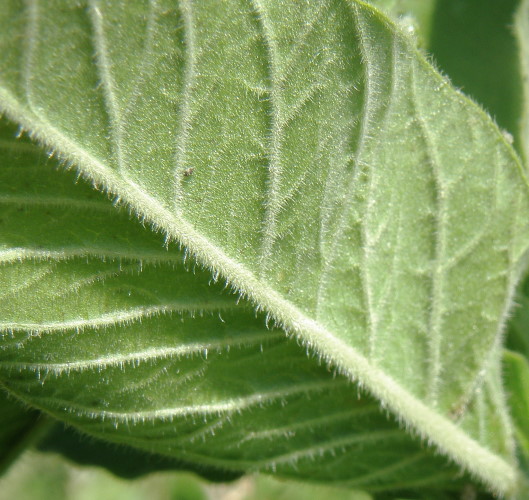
<point>329,242</point>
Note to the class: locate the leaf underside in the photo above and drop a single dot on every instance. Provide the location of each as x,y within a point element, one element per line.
<point>149,352</point>
<point>305,152</point>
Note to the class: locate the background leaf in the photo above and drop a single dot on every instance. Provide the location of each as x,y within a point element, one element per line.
<point>38,475</point>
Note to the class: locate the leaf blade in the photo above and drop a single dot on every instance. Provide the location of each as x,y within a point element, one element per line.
<point>344,334</point>
<point>256,407</point>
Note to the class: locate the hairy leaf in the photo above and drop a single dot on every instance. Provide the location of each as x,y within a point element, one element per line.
<point>472,41</point>
<point>149,353</point>
<point>308,154</point>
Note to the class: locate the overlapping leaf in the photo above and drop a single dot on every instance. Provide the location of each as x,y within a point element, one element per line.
<point>308,154</point>
<point>148,352</point>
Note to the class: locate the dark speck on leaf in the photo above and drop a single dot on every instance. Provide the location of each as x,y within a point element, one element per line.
<point>188,172</point>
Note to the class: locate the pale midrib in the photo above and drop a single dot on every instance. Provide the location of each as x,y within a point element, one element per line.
<point>454,442</point>
<point>153,353</point>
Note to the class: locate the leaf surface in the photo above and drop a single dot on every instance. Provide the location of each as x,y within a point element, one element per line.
<point>308,154</point>
<point>151,354</point>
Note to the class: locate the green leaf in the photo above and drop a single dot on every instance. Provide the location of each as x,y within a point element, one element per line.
<point>474,43</point>
<point>309,155</point>
<point>151,354</point>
